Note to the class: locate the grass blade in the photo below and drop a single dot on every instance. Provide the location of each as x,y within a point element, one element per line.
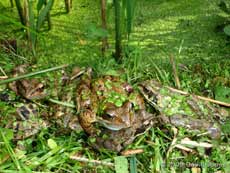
<point>10,150</point>
<point>44,12</point>
<point>32,74</point>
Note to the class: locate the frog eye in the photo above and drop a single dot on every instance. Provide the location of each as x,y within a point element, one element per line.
<point>108,116</point>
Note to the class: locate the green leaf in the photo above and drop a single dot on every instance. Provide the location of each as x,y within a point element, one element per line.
<point>112,72</point>
<point>43,14</point>
<point>133,165</point>
<point>130,8</point>
<point>118,103</point>
<point>224,5</point>
<point>227,30</point>
<point>51,143</point>
<point>8,133</point>
<point>225,128</point>
<point>40,4</point>
<point>222,94</point>
<point>121,164</point>
<point>94,32</point>
<point>32,24</point>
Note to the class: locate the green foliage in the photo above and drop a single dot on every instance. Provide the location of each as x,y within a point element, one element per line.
<point>121,164</point>
<point>225,6</point>
<point>34,21</point>
<point>227,30</point>
<point>94,32</point>
<point>43,12</point>
<point>40,4</point>
<point>129,7</point>
<point>51,143</point>
<point>133,164</point>
<point>124,13</point>
<point>32,34</point>
<point>222,93</point>
<point>165,26</point>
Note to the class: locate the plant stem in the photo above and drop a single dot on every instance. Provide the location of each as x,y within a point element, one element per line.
<point>48,18</point>
<point>20,11</point>
<point>104,26</point>
<point>117,30</point>
<point>11,3</point>
<point>62,103</point>
<point>98,162</point>
<point>174,68</point>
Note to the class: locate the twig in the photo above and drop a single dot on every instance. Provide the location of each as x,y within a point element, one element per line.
<point>132,152</point>
<point>32,74</point>
<point>181,147</point>
<point>177,81</point>
<point>187,141</point>
<point>175,132</point>
<point>97,162</point>
<point>199,97</point>
<point>3,77</point>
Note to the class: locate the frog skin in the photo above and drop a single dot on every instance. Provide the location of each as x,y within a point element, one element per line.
<point>26,122</point>
<point>110,111</point>
<point>30,89</point>
<point>183,110</point>
<point>117,140</point>
<point>65,117</point>
<point>95,104</point>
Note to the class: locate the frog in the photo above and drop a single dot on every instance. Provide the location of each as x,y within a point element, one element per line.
<point>65,117</point>
<point>109,106</point>
<point>30,89</point>
<point>183,110</point>
<point>25,122</point>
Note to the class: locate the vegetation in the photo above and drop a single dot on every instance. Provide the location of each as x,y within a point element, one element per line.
<point>138,38</point>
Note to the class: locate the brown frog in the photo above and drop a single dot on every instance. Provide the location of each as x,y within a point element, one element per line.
<point>183,110</point>
<point>64,116</point>
<point>30,89</point>
<point>26,122</point>
<point>108,106</point>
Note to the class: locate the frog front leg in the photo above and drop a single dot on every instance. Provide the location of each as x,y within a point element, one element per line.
<point>87,118</point>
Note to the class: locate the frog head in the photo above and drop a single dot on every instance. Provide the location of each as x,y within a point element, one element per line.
<point>30,89</point>
<point>117,118</point>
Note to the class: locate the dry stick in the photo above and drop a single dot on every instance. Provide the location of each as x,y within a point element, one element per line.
<point>132,152</point>
<point>187,141</point>
<point>98,162</point>
<point>32,74</point>
<point>175,132</point>
<point>181,147</point>
<point>3,77</point>
<point>177,81</point>
<point>199,97</point>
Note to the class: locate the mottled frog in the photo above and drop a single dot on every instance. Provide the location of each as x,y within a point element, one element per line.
<point>109,106</point>
<point>183,110</point>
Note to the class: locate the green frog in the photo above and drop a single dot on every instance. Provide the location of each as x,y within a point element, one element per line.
<point>183,110</point>
<point>109,106</point>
